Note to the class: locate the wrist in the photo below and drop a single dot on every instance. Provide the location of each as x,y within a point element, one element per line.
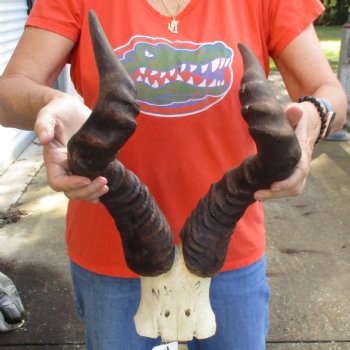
<point>53,95</point>
<point>325,114</point>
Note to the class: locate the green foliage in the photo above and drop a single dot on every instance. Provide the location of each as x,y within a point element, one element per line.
<point>336,13</point>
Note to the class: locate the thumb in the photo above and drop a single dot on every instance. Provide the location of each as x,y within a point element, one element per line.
<point>294,113</point>
<point>44,127</point>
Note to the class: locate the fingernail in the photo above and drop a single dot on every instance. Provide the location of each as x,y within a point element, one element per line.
<point>101,180</point>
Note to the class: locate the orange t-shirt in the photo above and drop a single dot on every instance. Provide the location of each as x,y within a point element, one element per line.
<point>190,130</point>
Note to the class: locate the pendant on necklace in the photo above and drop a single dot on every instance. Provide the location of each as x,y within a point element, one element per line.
<point>173,26</point>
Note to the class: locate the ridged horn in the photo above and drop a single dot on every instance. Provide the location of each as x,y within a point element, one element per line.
<point>146,236</point>
<point>112,121</point>
<point>207,232</point>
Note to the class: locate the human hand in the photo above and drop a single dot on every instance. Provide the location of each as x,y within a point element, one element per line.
<point>12,312</point>
<point>306,123</point>
<point>54,126</point>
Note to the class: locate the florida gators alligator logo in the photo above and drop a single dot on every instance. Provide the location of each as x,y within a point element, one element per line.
<point>177,78</point>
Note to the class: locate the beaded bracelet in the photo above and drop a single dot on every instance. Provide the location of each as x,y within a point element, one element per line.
<point>323,116</point>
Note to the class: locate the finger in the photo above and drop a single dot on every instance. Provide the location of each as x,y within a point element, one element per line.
<point>97,188</point>
<point>59,177</point>
<point>93,198</point>
<point>291,187</point>
<point>66,183</point>
<point>60,180</point>
<point>263,195</point>
<point>294,113</point>
<point>45,126</point>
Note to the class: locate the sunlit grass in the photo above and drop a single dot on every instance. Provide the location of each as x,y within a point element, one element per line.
<point>330,38</point>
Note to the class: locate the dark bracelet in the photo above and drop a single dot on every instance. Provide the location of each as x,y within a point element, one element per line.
<point>324,120</point>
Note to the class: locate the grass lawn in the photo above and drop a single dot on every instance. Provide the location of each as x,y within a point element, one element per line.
<point>330,42</point>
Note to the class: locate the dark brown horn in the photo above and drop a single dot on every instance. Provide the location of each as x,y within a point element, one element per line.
<point>112,121</point>
<point>207,232</point>
<point>146,236</point>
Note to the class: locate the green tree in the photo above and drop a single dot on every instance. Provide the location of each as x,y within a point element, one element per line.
<point>336,13</point>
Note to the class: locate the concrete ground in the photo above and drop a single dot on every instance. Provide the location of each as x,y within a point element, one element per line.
<point>308,257</point>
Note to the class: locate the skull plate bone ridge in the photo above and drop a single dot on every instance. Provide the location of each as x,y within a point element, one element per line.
<point>175,305</point>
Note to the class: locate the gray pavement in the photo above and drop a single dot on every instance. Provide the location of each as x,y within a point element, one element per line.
<point>308,257</point>
<point>32,253</point>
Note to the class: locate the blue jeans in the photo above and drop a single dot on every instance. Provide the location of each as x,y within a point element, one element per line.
<point>239,299</point>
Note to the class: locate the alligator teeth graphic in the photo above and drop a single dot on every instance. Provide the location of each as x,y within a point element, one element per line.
<point>177,78</point>
<point>144,75</point>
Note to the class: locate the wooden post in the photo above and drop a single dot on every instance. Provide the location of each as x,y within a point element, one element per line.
<point>344,65</point>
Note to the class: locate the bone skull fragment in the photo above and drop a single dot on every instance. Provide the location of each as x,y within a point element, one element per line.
<point>175,280</point>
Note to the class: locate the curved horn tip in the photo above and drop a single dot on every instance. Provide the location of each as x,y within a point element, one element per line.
<point>95,26</point>
<point>242,46</point>
<point>96,31</point>
<point>92,15</point>
<point>249,59</point>
<point>246,52</point>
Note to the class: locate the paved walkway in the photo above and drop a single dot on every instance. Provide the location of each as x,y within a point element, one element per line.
<point>308,256</point>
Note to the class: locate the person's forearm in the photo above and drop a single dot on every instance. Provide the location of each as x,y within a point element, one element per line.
<point>337,99</point>
<point>21,99</point>
<point>332,92</point>
<point>306,71</point>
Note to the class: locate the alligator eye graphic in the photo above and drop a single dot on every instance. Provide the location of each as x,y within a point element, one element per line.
<point>149,54</point>
<point>176,79</point>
